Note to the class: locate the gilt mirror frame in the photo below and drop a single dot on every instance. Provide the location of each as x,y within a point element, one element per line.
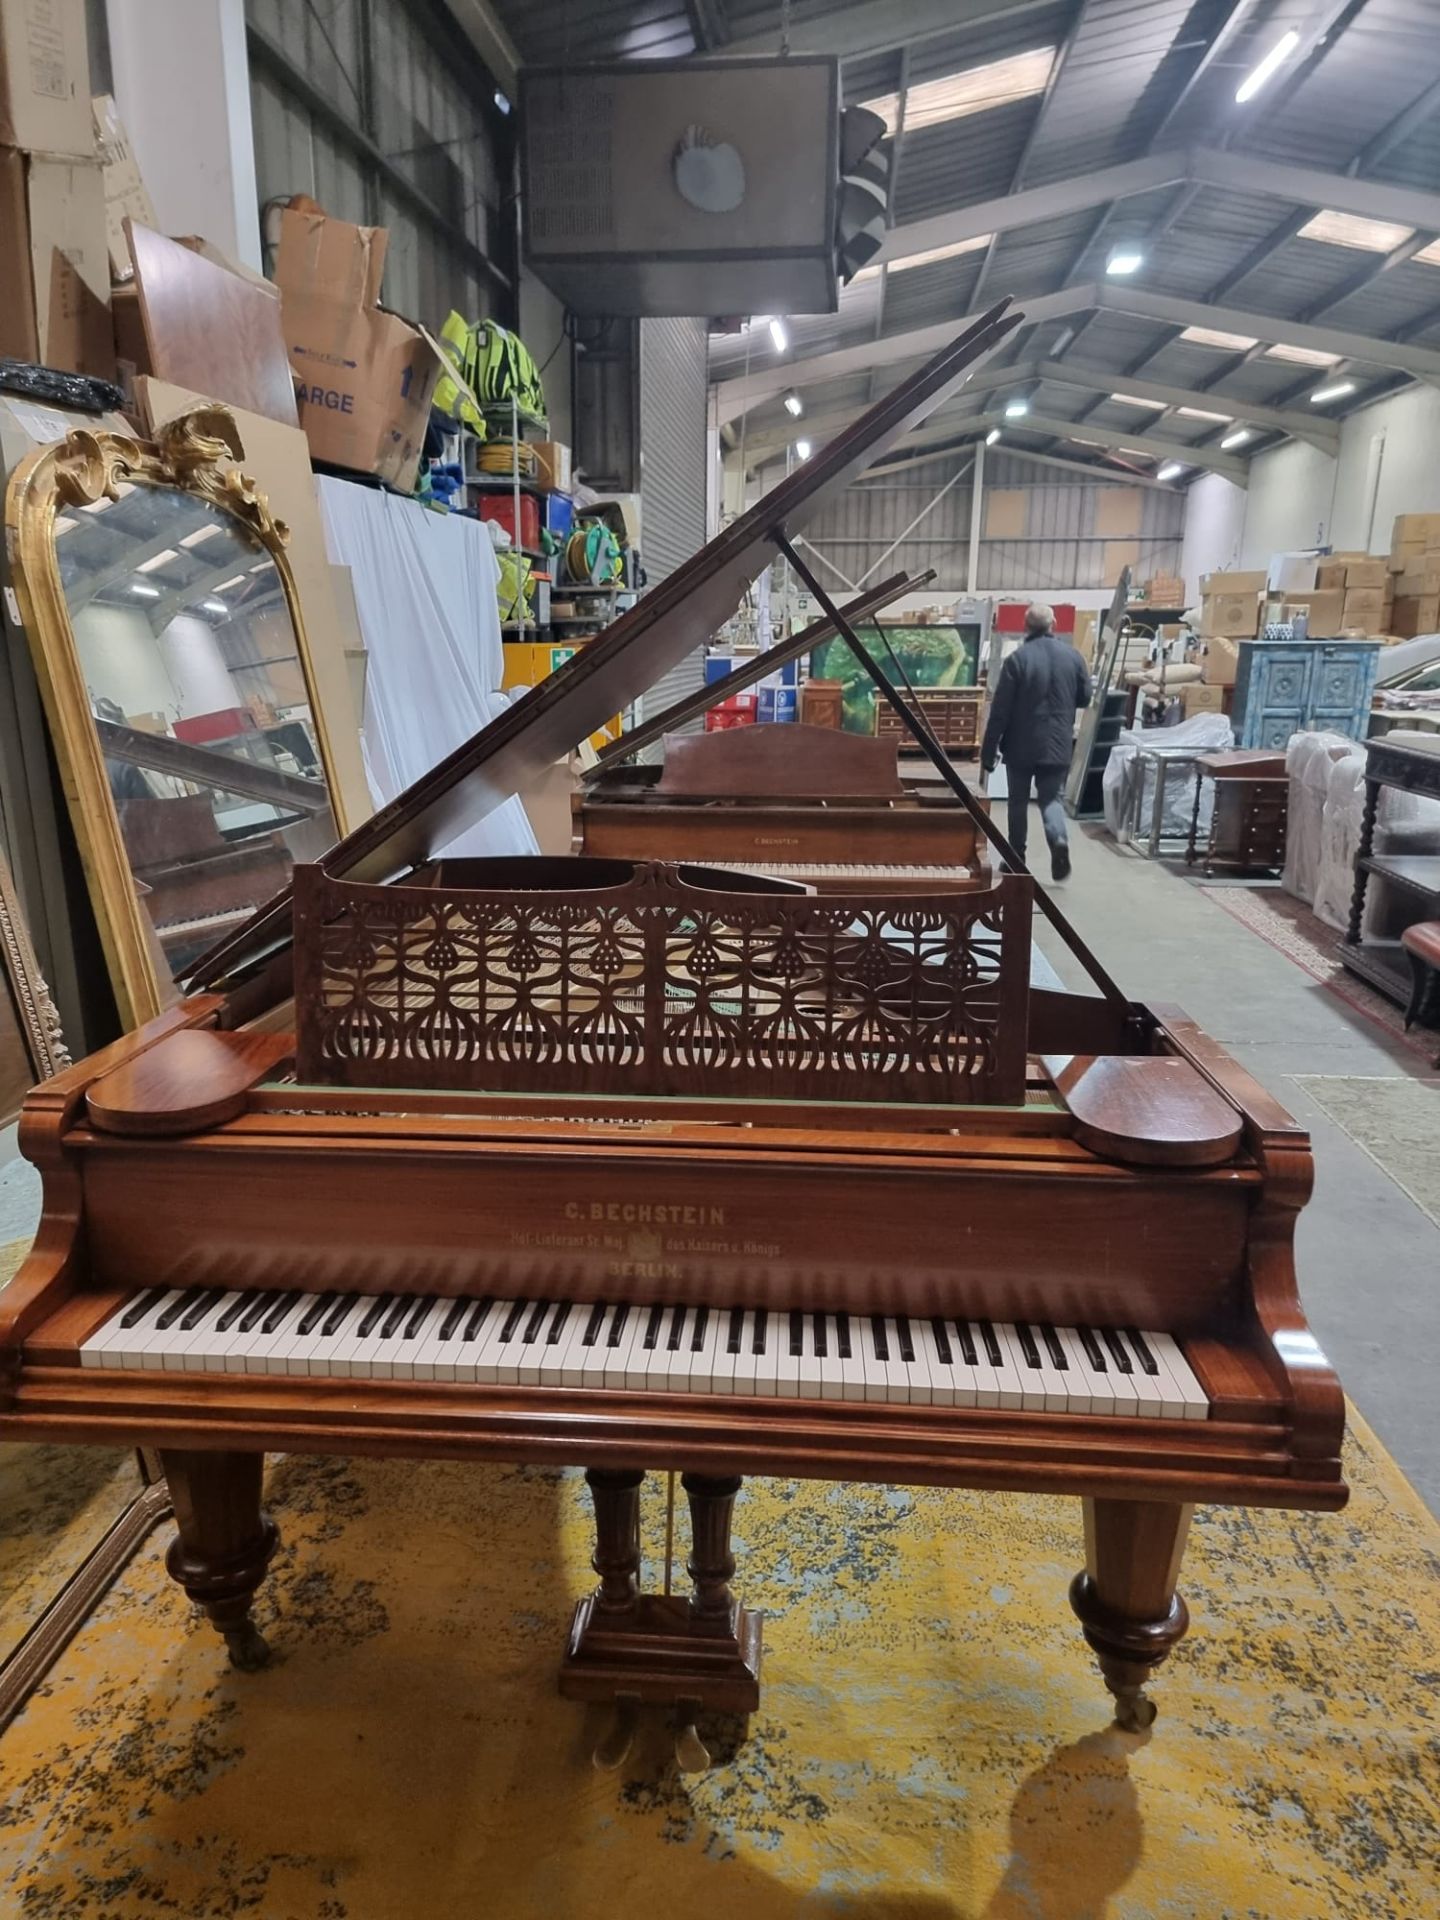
<point>198,454</point>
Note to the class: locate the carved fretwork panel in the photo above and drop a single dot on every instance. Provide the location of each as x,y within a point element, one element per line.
<point>660,986</point>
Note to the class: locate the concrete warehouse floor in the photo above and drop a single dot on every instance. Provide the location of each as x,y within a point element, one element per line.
<point>1368,1256</point>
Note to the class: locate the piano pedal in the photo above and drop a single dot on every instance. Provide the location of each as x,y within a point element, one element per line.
<point>691,1753</point>
<point>614,1746</point>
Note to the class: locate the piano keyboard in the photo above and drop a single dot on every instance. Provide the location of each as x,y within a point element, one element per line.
<point>795,1355</point>
<point>837,870</point>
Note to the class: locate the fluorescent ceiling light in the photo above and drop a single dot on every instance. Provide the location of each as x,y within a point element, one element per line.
<point>214,606</point>
<point>1203,413</point>
<point>794,405</point>
<point>225,585</point>
<point>802,449</point>
<point>1081,441</point>
<point>1213,337</point>
<point>1137,453</point>
<point>1137,400</point>
<point>927,257</point>
<point>1015,408</point>
<point>1126,257</point>
<point>992,436</point>
<point>1336,391</point>
<point>1350,230</point>
<point>974,90</point>
<point>142,592</point>
<point>778,334</point>
<point>1276,57</point>
<point>200,533</point>
<point>1171,470</point>
<point>1236,439</point>
<point>1430,256</point>
<point>1302,356</point>
<point>157,560</point>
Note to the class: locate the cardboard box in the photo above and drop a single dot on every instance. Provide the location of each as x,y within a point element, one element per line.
<point>553,462</point>
<point>1325,609</point>
<point>1415,530</point>
<point>1232,615</point>
<point>1410,617</point>
<point>1201,699</point>
<point>1222,657</point>
<point>1417,582</point>
<point>125,191</point>
<point>1364,609</point>
<point>45,78</point>
<point>1215,583</point>
<point>54,265</point>
<point>1352,574</point>
<point>366,376</point>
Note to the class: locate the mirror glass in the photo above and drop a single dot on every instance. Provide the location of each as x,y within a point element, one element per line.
<point>195,682</point>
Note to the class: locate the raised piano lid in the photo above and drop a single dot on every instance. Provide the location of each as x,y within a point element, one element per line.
<point>633,653</point>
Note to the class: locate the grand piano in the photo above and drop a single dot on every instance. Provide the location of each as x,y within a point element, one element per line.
<point>639,1166</point>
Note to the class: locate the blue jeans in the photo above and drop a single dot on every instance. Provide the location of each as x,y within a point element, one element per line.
<point>1049,784</point>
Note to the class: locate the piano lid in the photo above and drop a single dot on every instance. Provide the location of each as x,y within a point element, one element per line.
<point>633,653</point>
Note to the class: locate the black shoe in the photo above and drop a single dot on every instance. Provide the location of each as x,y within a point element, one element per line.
<point>1060,863</point>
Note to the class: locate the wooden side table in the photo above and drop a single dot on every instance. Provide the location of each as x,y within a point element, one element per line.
<point>1251,811</point>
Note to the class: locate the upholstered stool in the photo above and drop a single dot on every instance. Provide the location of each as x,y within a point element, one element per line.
<point>1422,944</point>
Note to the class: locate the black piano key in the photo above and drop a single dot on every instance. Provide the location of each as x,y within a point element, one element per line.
<point>797,1333</point>
<point>737,1327</point>
<point>1092,1348</point>
<point>281,1312</point>
<point>183,1305</point>
<point>453,1319</point>
<point>617,1323</point>
<point>1142,1352</point>
<point>594,1324</point>
<point>313,1315</point>
<point>536,1322</point>
<point>760,1326</point>
<point>396,1317</point>
<point>512,1322</point>
<point>882,1345</point>
<point>557,1324</point>
<point>906,1339</point>
<point>822,1338</point>
<point>478,1316</point>
<point>147,1302</point>
<point>992,1343</point>
<point>652,1328</point>
<point>966,1340</point>
<point>339,1314</point>
<point>202,1308</point>
<point>702,1324</point>
<point>842,1335</point>
<point>1027,1344</point>
<point>677,1330</point>
<point>1059,1358</point>
<point>260,1306</point>
<point>235,1310</point>
<point>419,1316</point>
<point>942,1342</point>
<point>1117,1349</point>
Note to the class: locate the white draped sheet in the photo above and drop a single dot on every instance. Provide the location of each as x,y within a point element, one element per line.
<point>425,588</point>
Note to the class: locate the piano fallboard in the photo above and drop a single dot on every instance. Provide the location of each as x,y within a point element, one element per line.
<point>882,834</point>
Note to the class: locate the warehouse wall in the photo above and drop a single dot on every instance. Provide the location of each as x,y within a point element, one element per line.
<point>1300,497</point>
<point>1061,542</point>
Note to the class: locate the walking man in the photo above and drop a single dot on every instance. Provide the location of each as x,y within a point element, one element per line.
<point>1042,686</point>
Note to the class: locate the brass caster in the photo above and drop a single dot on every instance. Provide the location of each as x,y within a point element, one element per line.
<point>1134,1711</point>
<point>249,1650</point>
<point>612,1749</point>
<point>691,1753</point>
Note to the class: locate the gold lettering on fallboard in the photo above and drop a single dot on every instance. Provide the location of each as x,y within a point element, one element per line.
<point>645,1213</point>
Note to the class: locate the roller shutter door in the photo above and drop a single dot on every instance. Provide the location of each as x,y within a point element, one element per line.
<point>673,369</point>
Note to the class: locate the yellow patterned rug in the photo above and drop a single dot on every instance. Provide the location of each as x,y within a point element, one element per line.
<point>933,1739</point>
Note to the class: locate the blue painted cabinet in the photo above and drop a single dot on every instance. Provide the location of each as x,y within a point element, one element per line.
<point>1302,686</point>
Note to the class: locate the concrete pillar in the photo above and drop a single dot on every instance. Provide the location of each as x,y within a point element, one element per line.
<point>182,83</point>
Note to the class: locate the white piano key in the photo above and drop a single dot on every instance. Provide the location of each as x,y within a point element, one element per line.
<point>1172,1401</point>
<point>917,1370</point>
<point>105,1347</point>
<point>273,1354</point>
<point>186,1348</point>
<point>1007,1388</point>
<point>1195,1404</point>
<point>646,1364</point>
<point>359,1355</point>
<point>773,1331</point>
<point>952,1381</point>
<point>490,1355</point>
<point>897,1374</point>
<point>873,1372</point>
<point>1088,1390</point>
<point>414,1347</point>
<point>549,1359</point>
<point>1149,1395</point>
<point>149,1339</point>
<point>621,1331</point>
<point>724,1360</point>
<point>576,1365</point>
<point>808,1384</point>
<point>704,1363</point>
<point>831,1368</point>
<point>747,1361</point>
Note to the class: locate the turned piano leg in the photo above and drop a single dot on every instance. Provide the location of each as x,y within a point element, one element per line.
<point>224,1542</point>
<point>1126,1599</point>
